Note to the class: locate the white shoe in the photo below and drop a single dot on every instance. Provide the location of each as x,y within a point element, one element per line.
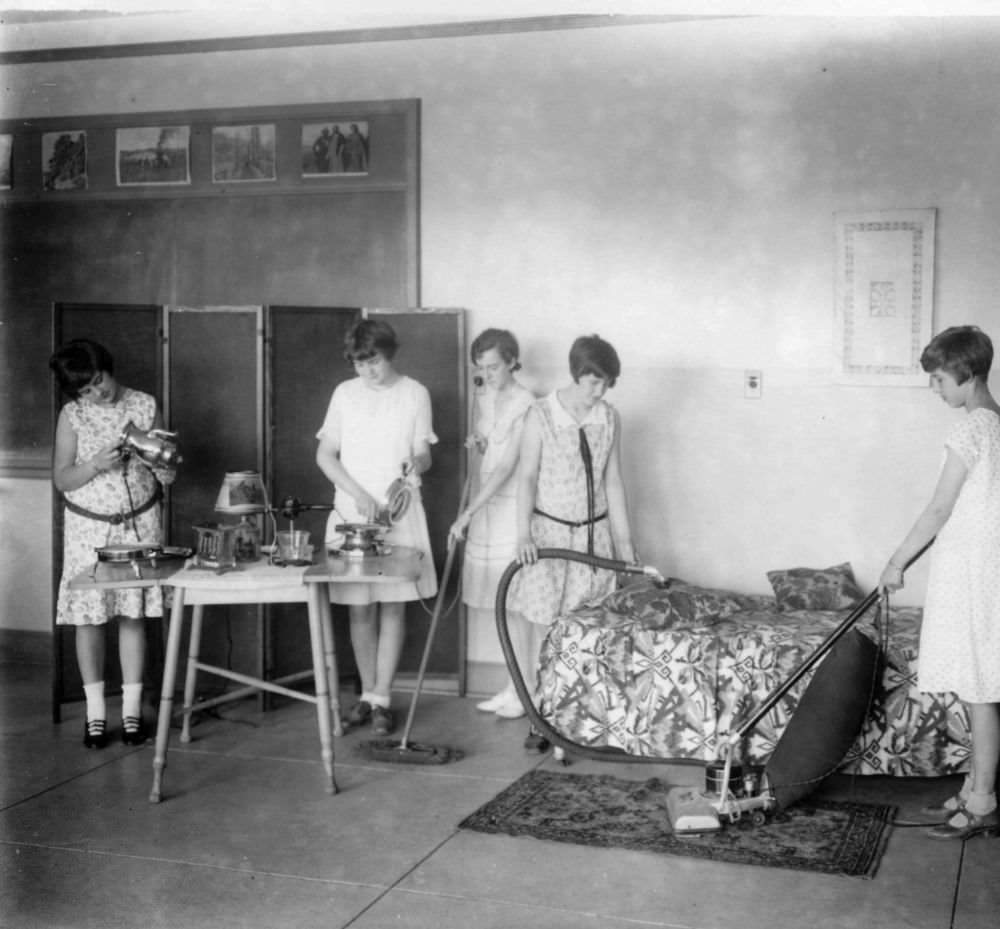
<point>495,702</point>
<point>511,708</point>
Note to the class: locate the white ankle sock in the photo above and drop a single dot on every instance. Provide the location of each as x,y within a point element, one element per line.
<point>95,700</point>
<point>981,804</point>
<point>131,700</point>
<point>379,700</point>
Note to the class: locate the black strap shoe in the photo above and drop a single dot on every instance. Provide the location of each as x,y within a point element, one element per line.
<point>536,743</point>
<point>134,730</point>
<point>95,733</point>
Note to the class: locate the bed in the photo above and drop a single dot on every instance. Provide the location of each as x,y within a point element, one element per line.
<point>668,672</point>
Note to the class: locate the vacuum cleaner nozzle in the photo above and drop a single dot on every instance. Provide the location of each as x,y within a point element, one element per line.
<point>691,811</point>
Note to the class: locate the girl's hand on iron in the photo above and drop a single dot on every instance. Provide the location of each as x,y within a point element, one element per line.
<point>891,579</point>
<point>367,506</point>
<point>411,470</point>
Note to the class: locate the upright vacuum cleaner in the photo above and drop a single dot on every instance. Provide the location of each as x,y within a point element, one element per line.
<point>829,716</point>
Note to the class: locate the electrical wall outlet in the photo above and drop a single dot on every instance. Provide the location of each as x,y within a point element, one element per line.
<point>753,384</point>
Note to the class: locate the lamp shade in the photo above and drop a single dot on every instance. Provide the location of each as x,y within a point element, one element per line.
<point>241,492</point>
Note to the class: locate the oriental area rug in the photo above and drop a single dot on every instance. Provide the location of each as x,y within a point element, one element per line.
<point>831,837</point>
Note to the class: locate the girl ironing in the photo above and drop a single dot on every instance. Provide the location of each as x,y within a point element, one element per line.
<point>377,425</point>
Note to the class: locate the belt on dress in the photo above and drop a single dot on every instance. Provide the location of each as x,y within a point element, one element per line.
<point>116,519</point>
<point>572,523</point>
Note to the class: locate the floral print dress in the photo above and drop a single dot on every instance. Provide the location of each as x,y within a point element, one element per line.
<point>97,426</point>
<point>551,587</point>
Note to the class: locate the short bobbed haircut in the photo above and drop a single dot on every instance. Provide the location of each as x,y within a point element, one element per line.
<point>962,351</point>
<point>369,338</point>
<point>590,354</point>
<point>77,363</point>
<point>502,340</point>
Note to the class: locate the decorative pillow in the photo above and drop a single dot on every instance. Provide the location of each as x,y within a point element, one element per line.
<point>812,589</point>
<point>676,605</point>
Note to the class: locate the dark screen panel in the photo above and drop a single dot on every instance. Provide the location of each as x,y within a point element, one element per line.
<point>305,352</point>
<point>432,351</point>
<point>214,385</point>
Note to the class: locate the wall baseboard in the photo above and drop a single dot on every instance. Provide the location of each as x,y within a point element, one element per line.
<point>485,678</point>
<point>26,646</point>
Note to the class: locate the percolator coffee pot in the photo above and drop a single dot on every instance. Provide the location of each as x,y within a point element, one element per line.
<point>157,448</point>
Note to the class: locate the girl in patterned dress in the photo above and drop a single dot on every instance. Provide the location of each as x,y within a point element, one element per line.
<point>960,635</point>
<point>378,425</point>
<point>110,499</point>
<point>490,514</point>
<point>570,495</point>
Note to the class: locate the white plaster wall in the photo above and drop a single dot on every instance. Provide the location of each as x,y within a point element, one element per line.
<point>25,554</point>
<point>673,187</point>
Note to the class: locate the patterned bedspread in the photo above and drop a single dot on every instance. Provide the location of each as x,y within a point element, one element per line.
<point>634,672</point>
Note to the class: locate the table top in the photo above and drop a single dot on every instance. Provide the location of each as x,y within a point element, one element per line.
<point>108,575</point>
<point>401,564</point>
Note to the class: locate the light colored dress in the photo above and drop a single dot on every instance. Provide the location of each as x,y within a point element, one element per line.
<point>376,430</point>
<point>97,426</point>
<point>491,543</point>
<point>960,636</point>
<point>551,587</point>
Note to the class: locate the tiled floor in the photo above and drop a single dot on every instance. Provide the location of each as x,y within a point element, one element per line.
<point>246,837</point>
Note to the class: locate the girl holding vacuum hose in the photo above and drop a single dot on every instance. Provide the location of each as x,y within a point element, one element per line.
<point>490,517</point>
<point>377,424</point>
<point>570,495</point>
<point>960,636</point>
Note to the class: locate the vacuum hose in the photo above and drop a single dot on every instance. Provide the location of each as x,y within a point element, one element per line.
<point>592,752</point>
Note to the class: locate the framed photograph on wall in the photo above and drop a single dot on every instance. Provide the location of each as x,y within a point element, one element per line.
<point>243,153</point>
<point>335,148</point>
<point>153,155</point>
<point>64,160</point>
<point>6,169</point>
<point>884,296</point>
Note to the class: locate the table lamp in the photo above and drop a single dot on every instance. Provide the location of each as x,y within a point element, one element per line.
<point>243,494</point>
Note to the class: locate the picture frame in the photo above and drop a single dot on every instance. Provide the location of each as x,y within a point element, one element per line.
<point>336,148</point>
<point>6,162</point>
<point>242,154</point>
<point>884,296</point>
<point>64,160</point>
<point>153,155</point>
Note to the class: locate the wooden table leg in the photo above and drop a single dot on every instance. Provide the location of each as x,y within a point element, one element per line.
<point>190,679</point>
<point>167,694</point>
<point>317,594</point>
<point>330,651</point>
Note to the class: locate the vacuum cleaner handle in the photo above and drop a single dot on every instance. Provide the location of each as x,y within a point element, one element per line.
<point>852,619</point>
<point>435,619</point>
